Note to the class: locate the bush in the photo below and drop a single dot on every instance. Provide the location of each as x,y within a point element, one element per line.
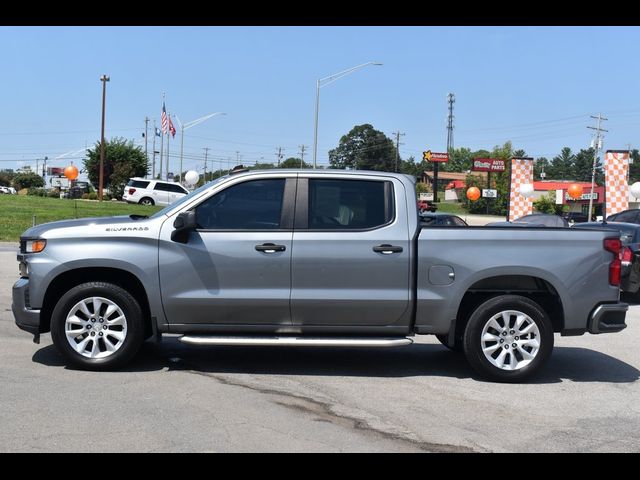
<point>38,192</point>
<point>85,196</point>
<point>92,196</point>
<point>105,197</point>
<point>53,194</point>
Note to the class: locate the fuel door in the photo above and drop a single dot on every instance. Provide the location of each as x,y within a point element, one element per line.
<point>441,275</point>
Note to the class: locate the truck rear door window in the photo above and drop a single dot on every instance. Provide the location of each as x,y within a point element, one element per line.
<point>349,204</point>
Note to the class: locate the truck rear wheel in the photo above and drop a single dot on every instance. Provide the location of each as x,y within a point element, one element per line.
<point>97,326</point>
<point>508,338</point>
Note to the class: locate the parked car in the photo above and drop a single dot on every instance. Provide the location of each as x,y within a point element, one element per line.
<point>546,219</point>
<point>626,216</point>
<point>575,217</point>
<point>441,219</point>
<point>146,191</point>
<point>533,220</point>
<point>253,258</point>
<point>630,256</point>
<point>426,206</point>
<point>8,190</point>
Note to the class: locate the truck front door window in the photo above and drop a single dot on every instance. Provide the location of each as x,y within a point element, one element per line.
<point>254,205</point>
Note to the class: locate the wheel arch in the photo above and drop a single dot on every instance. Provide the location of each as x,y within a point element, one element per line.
<point>72,278</point>
<point>535,288</point>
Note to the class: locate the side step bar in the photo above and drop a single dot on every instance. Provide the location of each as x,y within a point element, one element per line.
<point>297,341</point>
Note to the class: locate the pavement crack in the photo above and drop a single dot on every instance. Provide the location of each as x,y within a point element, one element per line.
<point>323,412</point>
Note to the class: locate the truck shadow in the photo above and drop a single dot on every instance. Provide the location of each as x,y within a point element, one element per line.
<point>566,363</point>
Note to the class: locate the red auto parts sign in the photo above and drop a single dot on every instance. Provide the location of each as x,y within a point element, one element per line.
<point>488,165</point>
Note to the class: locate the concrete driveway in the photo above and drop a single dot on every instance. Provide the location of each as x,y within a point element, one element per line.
<point>175,398</point>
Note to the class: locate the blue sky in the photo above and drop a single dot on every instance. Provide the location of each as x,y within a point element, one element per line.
<point>535,86</point>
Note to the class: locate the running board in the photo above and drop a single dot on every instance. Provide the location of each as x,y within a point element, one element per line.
<point>297,341</point>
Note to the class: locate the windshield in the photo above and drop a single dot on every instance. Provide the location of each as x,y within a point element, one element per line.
<point>186,198</point>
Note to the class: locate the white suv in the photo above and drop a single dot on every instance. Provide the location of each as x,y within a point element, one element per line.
<point>153,192</point>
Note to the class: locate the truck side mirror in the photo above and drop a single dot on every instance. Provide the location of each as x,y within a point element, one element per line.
<point>183,224</point>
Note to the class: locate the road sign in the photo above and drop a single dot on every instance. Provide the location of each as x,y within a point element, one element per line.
<point>489,193</point>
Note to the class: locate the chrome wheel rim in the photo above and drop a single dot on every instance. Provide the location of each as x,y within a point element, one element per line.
<point>96,327</point>
<point>510,340</point>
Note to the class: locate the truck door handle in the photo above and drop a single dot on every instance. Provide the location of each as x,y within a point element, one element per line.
<point>270,248</point>
<point>387,249</point>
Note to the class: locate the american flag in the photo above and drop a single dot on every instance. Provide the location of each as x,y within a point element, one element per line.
<point>172,128</point>
<point>164,122</point>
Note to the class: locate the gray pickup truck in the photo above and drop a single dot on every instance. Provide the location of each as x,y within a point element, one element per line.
<point>313,258</point>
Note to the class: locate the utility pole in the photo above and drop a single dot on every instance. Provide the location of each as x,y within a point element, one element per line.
<point>44,166</point>
<point>279,155</point>
<point>301,153</point>
<point>630,161</point>
<point>104,79</point>
<point>146,134</point>
<point>436,165</point>
<point>206,151</point>
<point>596,144</point>
<point>153,146</point>
<point>397,134</point>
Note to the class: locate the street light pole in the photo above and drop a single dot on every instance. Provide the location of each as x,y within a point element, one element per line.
<point>322,83</point>
<point>188,125</point>
<point>104,79</point>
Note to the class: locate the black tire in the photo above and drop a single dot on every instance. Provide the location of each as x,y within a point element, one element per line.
<point>127,347</point>
<point>147,201</point>
<point>458,345</point>
<point>481,318</point>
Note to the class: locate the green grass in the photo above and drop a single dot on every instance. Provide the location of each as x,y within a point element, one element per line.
<point>451,207</point>
<point>17,212</point>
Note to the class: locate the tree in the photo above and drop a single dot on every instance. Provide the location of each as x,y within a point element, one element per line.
<point>547,204</point>
<point>293,162</point>
<point>583,167</point>
<point>562,166</point>
<point>634,167</point>
<point>27,180</point>
<point>411,167</point>
<point>460,160</point>
<point>6,178</point>
<point>364,148</point>
<point>122,160</point>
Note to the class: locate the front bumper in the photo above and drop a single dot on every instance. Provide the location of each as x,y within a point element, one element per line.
<point>608,318</point>
<point>26,318</point>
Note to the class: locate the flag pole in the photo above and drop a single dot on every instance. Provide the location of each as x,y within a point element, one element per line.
<point>168,137</point>
<point>161,143</point>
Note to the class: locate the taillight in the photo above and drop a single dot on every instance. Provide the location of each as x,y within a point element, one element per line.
<point>132,191</point>
<point>614,245</point>
<point>626,256</point>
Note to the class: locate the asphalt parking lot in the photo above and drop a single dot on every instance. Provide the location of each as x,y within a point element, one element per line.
<point>423,397</point>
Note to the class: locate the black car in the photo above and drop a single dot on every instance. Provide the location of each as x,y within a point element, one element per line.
<point>441,219</point>
<point>575,217</point>
<point>630,237</point>
<point>626,216</point>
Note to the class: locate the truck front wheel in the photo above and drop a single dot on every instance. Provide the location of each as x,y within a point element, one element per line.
<point>97,326</point>
<point>508,338</point>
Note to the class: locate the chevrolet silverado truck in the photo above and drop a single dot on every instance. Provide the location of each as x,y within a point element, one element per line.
<point>313,258</point>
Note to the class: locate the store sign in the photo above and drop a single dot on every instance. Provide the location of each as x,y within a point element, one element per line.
<point>585,196</point>
<point>488,165</point>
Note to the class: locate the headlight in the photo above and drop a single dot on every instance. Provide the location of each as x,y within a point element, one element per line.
<point>35,246</point>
